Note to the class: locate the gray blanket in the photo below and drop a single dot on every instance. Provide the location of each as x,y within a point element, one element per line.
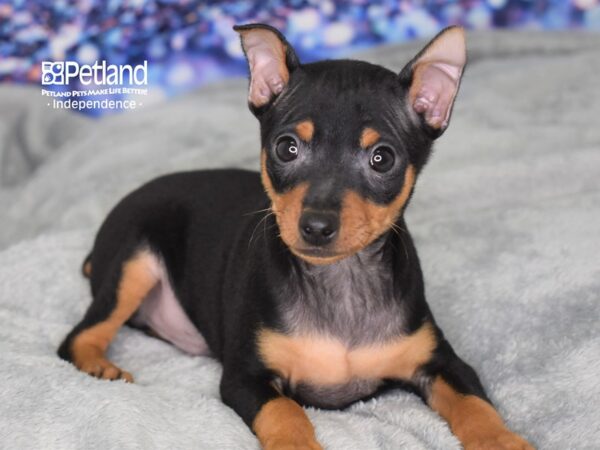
<point>505,217</point>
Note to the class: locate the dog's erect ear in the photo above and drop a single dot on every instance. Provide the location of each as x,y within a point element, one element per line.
<point>433,77</point>
<point>270,59</point>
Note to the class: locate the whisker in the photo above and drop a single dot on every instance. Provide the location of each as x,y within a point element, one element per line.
<point>270,213</point>
<point>398,227</point>
<point>397,230</point>
<point>259,211</point>
<point>265,226</point>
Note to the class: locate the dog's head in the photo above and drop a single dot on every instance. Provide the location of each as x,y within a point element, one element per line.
<point>343,141</point>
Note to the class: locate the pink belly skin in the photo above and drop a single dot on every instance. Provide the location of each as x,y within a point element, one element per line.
<point>163,314</point>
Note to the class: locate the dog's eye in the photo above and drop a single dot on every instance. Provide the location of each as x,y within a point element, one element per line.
<point>382,159</point>
<point>287,149</point>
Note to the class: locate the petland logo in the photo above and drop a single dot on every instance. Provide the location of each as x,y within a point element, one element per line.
<point>94,88</point>
<point>99,73</point>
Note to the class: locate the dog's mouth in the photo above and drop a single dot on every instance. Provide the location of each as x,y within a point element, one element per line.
<point>315,252</point>
<point>318,255</point>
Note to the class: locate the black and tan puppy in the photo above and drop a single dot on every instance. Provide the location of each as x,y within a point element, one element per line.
<point>321,302</point>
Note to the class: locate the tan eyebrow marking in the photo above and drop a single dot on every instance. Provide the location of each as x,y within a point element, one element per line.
<point>368,137</point>
<point>305,130</point>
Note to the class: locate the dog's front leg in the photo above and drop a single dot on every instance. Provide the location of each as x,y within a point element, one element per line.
<point>456,393</point>
<point>279,422</point>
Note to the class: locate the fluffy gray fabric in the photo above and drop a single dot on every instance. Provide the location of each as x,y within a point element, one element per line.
<point>505,218</point>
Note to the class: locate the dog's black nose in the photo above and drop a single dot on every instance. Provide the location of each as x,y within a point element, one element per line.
<point>319,228</point>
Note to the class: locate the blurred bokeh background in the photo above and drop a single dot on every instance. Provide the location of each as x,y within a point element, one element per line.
<point>190,43</point>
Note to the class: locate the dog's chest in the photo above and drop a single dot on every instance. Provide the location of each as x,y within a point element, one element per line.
<point>344,334</point>
<point>324,371</point>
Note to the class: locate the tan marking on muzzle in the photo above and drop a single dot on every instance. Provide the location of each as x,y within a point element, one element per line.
<point>368,137</point>
<point>305,130</point>
<point>362,221</point>
<point>286,206</point>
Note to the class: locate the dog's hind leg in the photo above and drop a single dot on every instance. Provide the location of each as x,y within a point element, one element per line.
<point>124,286</point>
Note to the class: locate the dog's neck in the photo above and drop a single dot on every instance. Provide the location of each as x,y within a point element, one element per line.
<point>353,299</point>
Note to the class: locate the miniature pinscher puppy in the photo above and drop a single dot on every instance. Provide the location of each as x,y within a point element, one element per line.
<point>302,280</point>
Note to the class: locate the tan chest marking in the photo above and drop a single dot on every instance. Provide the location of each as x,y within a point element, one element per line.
<point>324,360</point>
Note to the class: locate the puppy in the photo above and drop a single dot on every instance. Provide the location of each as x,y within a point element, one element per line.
<point>302,280</point>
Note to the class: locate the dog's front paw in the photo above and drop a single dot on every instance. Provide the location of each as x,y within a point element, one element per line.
<point>282,424</point>
<point>102,368</point>
<point>291,443</point>
<point>501,440</point>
